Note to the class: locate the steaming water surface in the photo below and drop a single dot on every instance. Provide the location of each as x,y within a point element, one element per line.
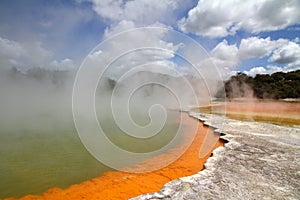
<point>39,145</point>
<point>271,111</point>
<point>50,154</point>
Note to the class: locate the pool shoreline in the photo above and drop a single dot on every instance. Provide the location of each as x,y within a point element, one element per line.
<point>122,185</point>
<point>258,162</point>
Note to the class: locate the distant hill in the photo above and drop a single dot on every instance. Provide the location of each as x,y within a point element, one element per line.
<point>278,85</point>
<point>188,90</point>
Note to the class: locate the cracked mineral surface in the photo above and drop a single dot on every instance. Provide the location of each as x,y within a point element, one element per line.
<point>260,161</point>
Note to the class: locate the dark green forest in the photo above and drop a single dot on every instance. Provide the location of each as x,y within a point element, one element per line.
<point>278,85</point>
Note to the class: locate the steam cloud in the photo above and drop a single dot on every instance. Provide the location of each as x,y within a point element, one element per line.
<point>134,78</point>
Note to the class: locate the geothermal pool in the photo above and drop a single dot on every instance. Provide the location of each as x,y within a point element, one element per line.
<point>276,112</point>
<point>123,185</point>
<point>48,153</point>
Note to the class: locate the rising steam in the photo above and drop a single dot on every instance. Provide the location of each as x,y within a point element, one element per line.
<point>132,84</point>
<point>137,87</point>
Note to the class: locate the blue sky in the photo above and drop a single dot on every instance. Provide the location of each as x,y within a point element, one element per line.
<point>251,36</point>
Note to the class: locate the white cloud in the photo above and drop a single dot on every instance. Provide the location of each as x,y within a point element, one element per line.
<point>225,55</point>
<point>293,66</point>
<point>65,64</point>
<point>296,40</point>
<point>131,15</point>
<point>142,46</point>
<point>149,11</point>
<point>255,47</point>
<point>288,53</point>
<point>126,25</point>
<point>23,56</point>
<point>109,9</point>
<point>282,51</point>
<point>123,25</point>
<point>270,69</point>
<point>10,48</point>
<point>220,18</point>
<point>263,70</point>
<point>10,51</point>
<point>142,12</point>
<point>26,56</point>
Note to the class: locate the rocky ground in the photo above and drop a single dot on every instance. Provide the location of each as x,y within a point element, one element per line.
<point>259,161</point>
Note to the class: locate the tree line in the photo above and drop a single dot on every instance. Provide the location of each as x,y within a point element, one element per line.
<point>278,85</point>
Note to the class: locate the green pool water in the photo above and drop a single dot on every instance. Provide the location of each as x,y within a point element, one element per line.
<point>48,153</point>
